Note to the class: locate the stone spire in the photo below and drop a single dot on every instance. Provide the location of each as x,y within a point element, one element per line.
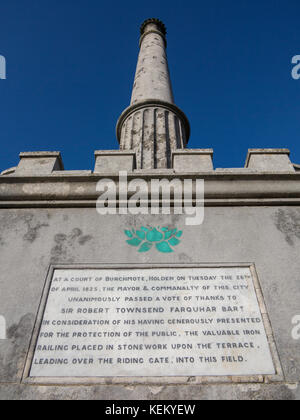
<point>153,126</point>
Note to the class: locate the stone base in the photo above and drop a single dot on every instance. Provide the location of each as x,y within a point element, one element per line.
<point>284,391</point>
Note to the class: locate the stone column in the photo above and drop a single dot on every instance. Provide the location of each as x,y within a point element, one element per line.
<point>152,78</point>
<point>153,126</point>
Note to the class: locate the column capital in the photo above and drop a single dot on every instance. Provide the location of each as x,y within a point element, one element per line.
<point>152,23</point>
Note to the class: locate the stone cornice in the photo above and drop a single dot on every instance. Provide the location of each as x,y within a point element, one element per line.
<point>221,189</point>
<point>152,32</point>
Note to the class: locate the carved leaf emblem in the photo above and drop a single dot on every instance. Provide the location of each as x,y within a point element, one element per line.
<point>164,239</point>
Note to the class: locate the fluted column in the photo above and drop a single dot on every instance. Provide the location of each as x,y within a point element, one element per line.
<point>153,126</point>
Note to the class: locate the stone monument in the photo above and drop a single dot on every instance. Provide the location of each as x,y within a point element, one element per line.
<point>123,299</point>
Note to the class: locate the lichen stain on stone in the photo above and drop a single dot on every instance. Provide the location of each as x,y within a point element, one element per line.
<point>288,222</point>
<point>18,335</point>
<point>64,244</point>
<point>37,189</point>
<point>32,230</point>
<point>80,190</point>
<point>82,239</point>
<point>155,390</point>
<point>161,138</point>
<point>281,392</point>
<point>184,258</point>
<point>59,250</point>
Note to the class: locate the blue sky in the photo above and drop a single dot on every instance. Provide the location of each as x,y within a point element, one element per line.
<point>71,64</point>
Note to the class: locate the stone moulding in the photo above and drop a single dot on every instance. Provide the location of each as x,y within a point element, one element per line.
<point>221,189</point>
<point>153,32</point>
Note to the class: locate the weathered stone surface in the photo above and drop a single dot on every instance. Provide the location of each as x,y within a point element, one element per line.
<point>39,163</point>
<point>191,160</point>
<point>152,79</point>
<point>81,235</point>
<point>114,160</point>
<point>153,132</point>
<point>9,171</point>
<point>269,160</point>
<point>260,392</point>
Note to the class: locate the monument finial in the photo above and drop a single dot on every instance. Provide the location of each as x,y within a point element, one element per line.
<point>156,22</point>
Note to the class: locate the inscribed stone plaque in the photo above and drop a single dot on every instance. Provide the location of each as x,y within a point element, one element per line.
<point>152,322</point>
